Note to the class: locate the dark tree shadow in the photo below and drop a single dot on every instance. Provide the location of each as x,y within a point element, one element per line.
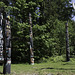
<point>58,68</point>
<point>47,68</point>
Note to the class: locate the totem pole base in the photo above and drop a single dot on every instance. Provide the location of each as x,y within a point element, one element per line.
<point>7,67</point>
<point>32,61</point>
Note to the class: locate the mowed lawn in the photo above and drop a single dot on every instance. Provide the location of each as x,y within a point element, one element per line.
<point>48,68</point>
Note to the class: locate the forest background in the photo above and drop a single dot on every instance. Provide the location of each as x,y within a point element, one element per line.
<point>49,18</point>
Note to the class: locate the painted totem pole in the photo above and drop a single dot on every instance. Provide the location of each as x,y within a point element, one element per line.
<point>1,38</point>
<point>31,41</point>
<point>7,45</point>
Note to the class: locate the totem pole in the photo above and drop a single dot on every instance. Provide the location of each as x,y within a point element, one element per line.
<point>7,46</point>
<point>31,41</point>
<point>1,38</point>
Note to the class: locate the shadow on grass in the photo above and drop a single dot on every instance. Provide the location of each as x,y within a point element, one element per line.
<point>68,64</point>
<point>47,68</point>
<point>57,68</point>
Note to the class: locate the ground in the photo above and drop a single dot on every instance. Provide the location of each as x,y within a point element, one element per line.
<point>46,68</point>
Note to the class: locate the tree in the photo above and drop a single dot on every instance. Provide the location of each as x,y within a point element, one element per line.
<point>48,34</point>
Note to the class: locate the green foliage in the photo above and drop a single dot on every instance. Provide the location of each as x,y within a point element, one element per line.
<point>53,59</point>
<point>2,4</point>
<point>48,30</point>
<point>43,60</point>
<point>56,59</point>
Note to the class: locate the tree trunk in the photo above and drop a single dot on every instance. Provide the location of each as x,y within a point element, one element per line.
<point>67,44</point>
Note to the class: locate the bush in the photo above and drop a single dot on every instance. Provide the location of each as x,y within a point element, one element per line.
<point>56,59</point>
<point>43,59</point>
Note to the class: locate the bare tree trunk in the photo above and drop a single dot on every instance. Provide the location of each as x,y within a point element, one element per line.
<point>67,44</point>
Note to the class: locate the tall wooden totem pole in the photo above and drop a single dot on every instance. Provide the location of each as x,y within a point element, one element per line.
<point>7,46</point>
<point>1,38</point>
<point>31,41</point>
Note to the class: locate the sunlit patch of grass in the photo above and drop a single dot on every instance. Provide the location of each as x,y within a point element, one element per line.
<point>61,68</point>
<point>1,69</point>
<point>55,68</point>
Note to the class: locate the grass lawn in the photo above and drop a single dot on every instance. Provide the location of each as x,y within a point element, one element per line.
<point>48,68</point>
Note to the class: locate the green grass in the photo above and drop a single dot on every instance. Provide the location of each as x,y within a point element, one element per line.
<point>55,68</point>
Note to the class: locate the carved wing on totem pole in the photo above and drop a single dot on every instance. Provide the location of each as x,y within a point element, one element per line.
<point>73,4</point>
